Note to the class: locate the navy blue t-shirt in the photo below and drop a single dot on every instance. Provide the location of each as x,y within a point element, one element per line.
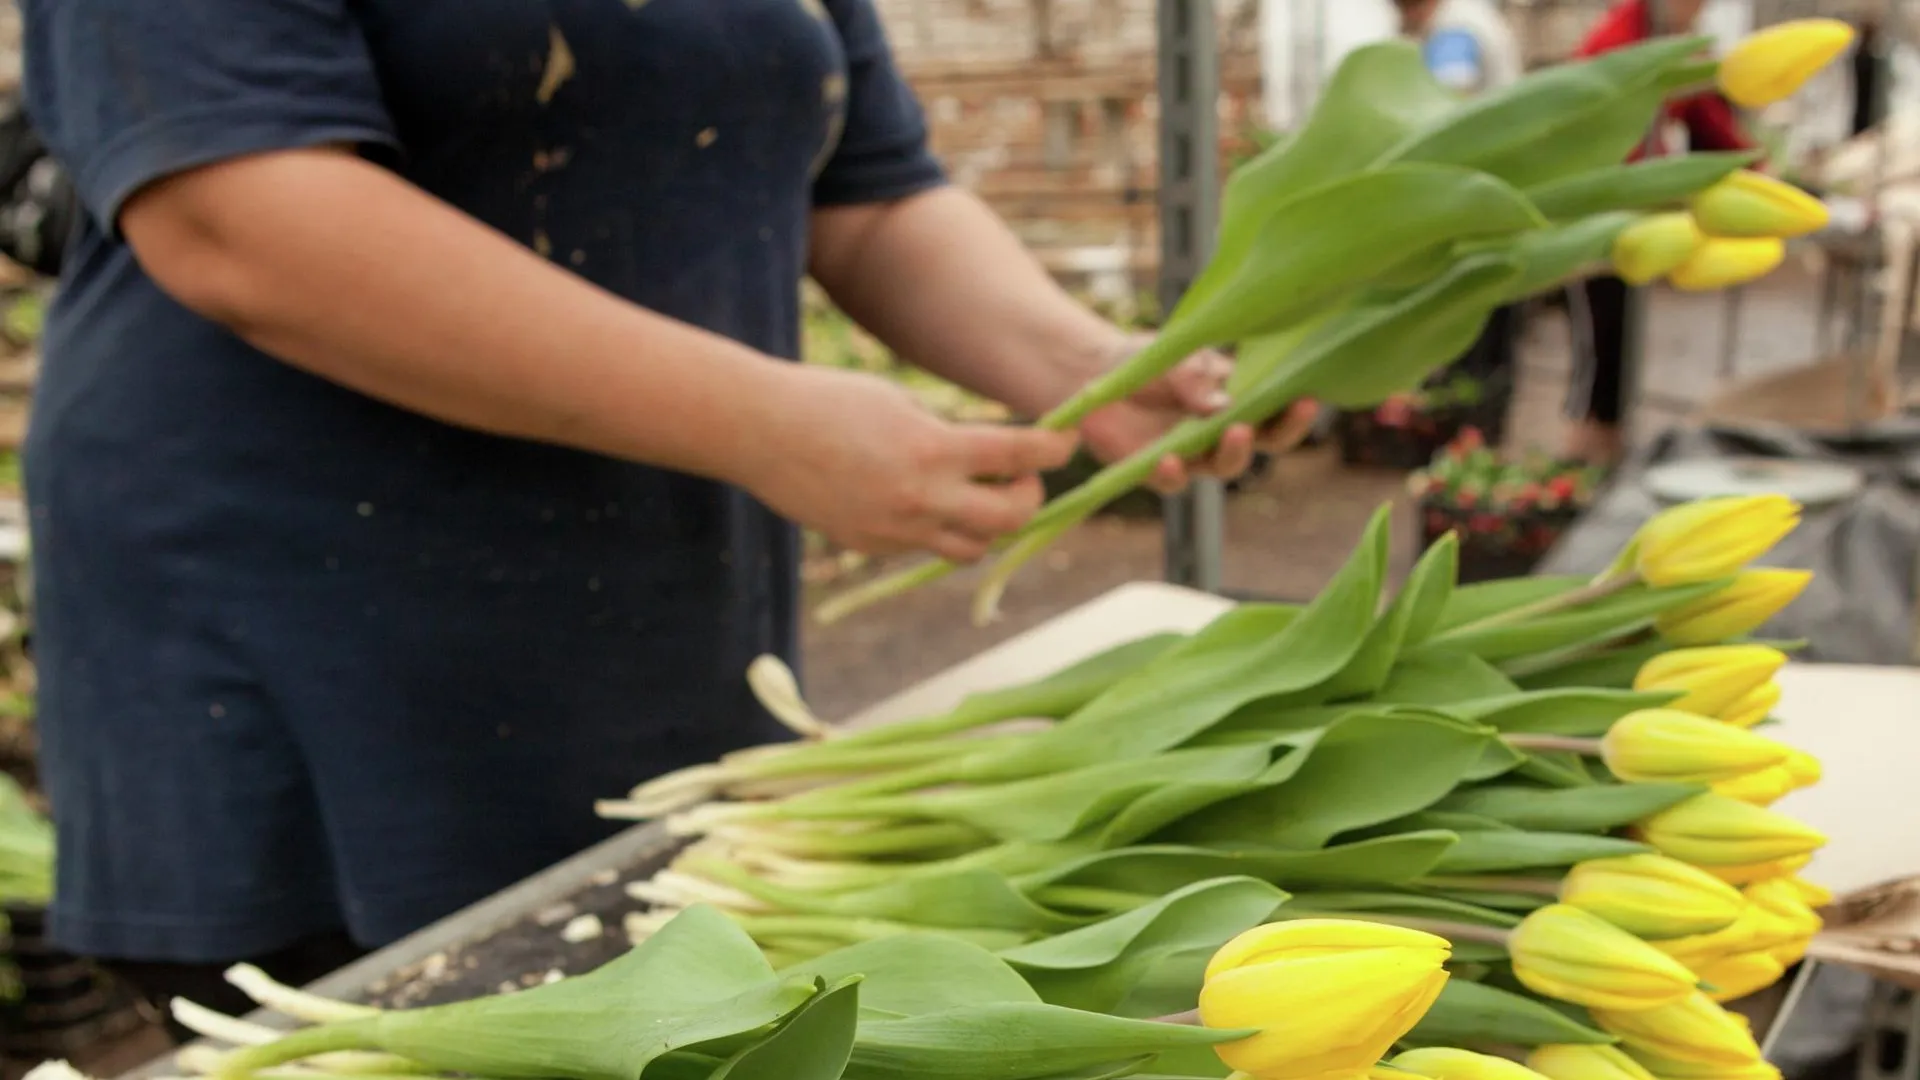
<point>308,659</point>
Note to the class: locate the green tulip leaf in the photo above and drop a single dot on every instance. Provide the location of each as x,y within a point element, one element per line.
<point>1475,1014</point>
<point>1564,119</point>
<point>1163,868</point>
<point>1491,852</point>
<point>1380,94</point>
<point>1564,769</point>
<point>1395,905</point>
<point>1329,242</point>
<point>915,974</point>
<point>963,898</point>
<point>1560,712</point>
<point>1013,1040</point>
<point>1642,185</point>
<point>1368,768</point>
<point>1519,903</point>
<point>1244,656</point>
<point>1487,599</point>
<point>1439,818</point>
<point>1095,967</point>
<point>1441,678</point>
<point>814,1044</point>
<point>1597,808</point>
<point>1407,621</point>
<point>1060,805</point>
<point>1498,759</point>
<point>1391,347</point>
<point>1601,620</point>
<point>1613,669</point>
<point>699,981</point>
<point>1553,257</point>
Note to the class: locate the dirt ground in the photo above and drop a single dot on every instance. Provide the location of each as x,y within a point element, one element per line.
<point>1290,530</point>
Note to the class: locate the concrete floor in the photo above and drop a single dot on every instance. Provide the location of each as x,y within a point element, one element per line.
<point>1289,532</point>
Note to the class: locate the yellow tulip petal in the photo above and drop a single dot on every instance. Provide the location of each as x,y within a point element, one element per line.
<point>1569,1062</point>
<point>1693,1029</point>
<point>1754,597</point>
<point>1723,264</point>
<point>1774,63</point>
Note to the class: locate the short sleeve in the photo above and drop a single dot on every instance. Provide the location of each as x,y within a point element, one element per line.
<point>127,92</point>
<point>882,152</point>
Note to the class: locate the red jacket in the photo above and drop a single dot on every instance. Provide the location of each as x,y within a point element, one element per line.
<point>1710,119</point>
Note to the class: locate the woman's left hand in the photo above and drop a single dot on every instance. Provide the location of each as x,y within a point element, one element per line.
<point>1196,388</point>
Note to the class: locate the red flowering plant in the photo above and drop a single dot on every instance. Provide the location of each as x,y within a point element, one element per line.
<point>1501,507</point>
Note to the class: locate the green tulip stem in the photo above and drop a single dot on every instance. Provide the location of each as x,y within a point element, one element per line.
<point>298,1045</point>
<point>884,587</point>
<point>1599,589</point>
<point>1547,744</point>
<point>1190,1018</point>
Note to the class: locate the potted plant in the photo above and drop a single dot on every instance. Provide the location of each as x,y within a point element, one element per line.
<point>1507,513</point>
<point>1406,430</point>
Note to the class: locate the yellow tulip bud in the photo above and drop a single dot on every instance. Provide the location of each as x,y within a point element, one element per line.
<point>1655,246</point>
<point>1761,788</point>
<point>1753,931</point>
<point>1744,606</point>
<point>1712,679</point>
<point>1747,205</point>
<point>1668,1069</point>
<point>1668,745</point>
<point>1723,264</point>
<point>1804,767</point>
<point>1734,977</point>
<point>1713,830</point>
<point>1570,1062</point>
<point>1754,707</point>
<point>1789,953</point>
<point>1710,539</point>
<point>1694,1029</point>
<point>1781,898</point>
<point>1748,873</point>
<point>1563,952</point>
<point>1328,996</point>
<point>1773,64</point>
<point>1445,1063</point>
<point>1652,896</point>
<point>1814,896</point>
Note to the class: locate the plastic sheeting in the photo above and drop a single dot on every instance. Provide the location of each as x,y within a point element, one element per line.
<point>1865,553</point>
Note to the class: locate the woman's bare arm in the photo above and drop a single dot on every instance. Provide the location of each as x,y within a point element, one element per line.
<point>344,269</point>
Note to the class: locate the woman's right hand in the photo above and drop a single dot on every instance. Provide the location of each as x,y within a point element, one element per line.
<point>859,460</point>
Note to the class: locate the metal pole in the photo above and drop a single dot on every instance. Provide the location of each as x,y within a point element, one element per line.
<point>1189,79</point>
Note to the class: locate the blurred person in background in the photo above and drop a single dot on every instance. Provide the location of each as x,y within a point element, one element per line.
<point>1470,49</point>
<point>1599,308</point>
<point>1871,78</point>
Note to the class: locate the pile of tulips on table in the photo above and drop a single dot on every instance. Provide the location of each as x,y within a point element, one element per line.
<point>1506,831</point>
<point>1492,832</point>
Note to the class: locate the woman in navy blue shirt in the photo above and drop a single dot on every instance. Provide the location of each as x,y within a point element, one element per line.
<point>412,464</point>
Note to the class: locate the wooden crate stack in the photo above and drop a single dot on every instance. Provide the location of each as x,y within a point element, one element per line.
<point>1046,108</point>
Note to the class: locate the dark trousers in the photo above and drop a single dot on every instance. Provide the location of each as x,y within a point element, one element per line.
<point>1600,351</point>
<point>206,984</point>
